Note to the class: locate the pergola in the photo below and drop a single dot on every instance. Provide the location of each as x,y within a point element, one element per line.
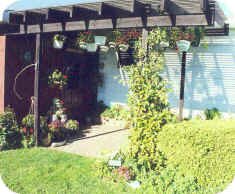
<point>108,15</point>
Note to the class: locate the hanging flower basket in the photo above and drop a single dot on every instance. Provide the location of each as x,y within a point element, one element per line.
<point>91,47</point>
<point>104,49</point>
<point>58,41</point>
<point>83,45</point>
<point>100,40</point>
<point>112,45</point>
<point>123,47</point>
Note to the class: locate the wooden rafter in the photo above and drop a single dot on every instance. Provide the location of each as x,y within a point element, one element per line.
<point>115,14</point>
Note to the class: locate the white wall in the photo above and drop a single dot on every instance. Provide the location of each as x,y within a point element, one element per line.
<point>112,92</point>
<point>210,77</point>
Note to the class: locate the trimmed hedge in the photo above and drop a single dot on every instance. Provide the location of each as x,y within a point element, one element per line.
<point>204,150</point>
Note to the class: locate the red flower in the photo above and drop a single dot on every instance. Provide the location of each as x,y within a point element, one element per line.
<point>31,130</point>
<point>24,130</point>
<point>65,77</point>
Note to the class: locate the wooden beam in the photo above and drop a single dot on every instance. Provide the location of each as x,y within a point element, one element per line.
<point>37,87</point>
<point>87,11</point>
<point>16,18</point>
<point>159,21</point>
<point>57,15</point>
<point>191,20</point>
<point>9,28</point>
<point>34,18</point>
<point>182,85</point>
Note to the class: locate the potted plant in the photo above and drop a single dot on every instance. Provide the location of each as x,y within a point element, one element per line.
<point>72,126</point>
<point>104,49</point>
<point>58,79</point>
<point>85,38</point>
<point>58,41</point>
<point>113,38</point>
<point>58,133</point>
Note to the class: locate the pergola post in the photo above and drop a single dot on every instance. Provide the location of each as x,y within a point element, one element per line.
<point>182,85</point>
<point>36,88</point>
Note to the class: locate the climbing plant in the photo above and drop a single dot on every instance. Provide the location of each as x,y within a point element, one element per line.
<point>148,102</point>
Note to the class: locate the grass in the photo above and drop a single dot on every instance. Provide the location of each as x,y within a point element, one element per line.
<point>30,171</point>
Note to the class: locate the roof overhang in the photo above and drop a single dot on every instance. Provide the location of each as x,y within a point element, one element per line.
<point>74,15</point>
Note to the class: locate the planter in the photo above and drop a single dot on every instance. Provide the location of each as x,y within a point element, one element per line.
<point>112,45</point>
<point>100,40</point>
<point>91,47</point>
<point>123,47</point>
<point>83,45</point>
<point>64,118</point>
<point>58,144</point>
<point>46,141</point>
<point>54,118</point>
<point>58,44</point>
<point>104,49</point>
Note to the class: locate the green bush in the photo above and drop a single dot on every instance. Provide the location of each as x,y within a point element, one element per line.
<point>116,112</point>
<point>203,150</point>
<point>212,114</point>
<point>10,137</point>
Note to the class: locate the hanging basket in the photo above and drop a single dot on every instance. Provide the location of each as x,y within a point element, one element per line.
<point>83,45</point>
<point>104,49</point>
<point>123,47</point>
<point>112,45</point>
<point>100,40</point>
<point>58,44</point>
<point>91,47</point>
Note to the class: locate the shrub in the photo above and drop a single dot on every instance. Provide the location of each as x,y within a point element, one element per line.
<point>116,112</point>
<point>203,150</point>
<point>148,103</point>
<point>212,114</point>
<point>10,137</point>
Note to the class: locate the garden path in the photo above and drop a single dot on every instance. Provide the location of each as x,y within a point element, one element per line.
<point>99,140</point>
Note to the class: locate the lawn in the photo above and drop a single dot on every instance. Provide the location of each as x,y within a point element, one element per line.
<point>46,171</point>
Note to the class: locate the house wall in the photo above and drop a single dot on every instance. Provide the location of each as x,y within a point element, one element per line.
<point>210,77</point>
<point>2,71</point>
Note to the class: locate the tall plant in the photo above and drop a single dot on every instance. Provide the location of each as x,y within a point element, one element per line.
<point>148,102</point>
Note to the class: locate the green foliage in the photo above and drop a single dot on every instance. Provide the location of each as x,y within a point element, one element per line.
<point>212,114</point>
<point>57,79</point>
<point>203,150</point>
<point>59,37</point>
<point>72,125</point>
<point>10,136</point>
<point>37,171</point>
<point>148,103</point>
<point>116,112</point>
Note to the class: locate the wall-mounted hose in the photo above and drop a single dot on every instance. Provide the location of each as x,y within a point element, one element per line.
<point>15,81</point>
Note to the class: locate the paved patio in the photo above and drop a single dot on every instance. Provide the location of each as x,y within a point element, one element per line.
<point>99,141</point>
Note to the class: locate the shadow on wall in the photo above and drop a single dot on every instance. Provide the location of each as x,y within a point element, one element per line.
<point>210,76</point>
<point>112,91</point>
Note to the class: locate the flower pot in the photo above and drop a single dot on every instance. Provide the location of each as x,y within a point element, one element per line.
<point>123,47</point>
<point>83,45</point>
<point>100,40</point>
<point>91,47</point>
<point>58,44</point>
<point>54,118</point>
<point>64,118</point>
<point>104,49</point>
<point>112,45</point>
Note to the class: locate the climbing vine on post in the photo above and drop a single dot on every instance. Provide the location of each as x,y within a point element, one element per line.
<point>148,102</point>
